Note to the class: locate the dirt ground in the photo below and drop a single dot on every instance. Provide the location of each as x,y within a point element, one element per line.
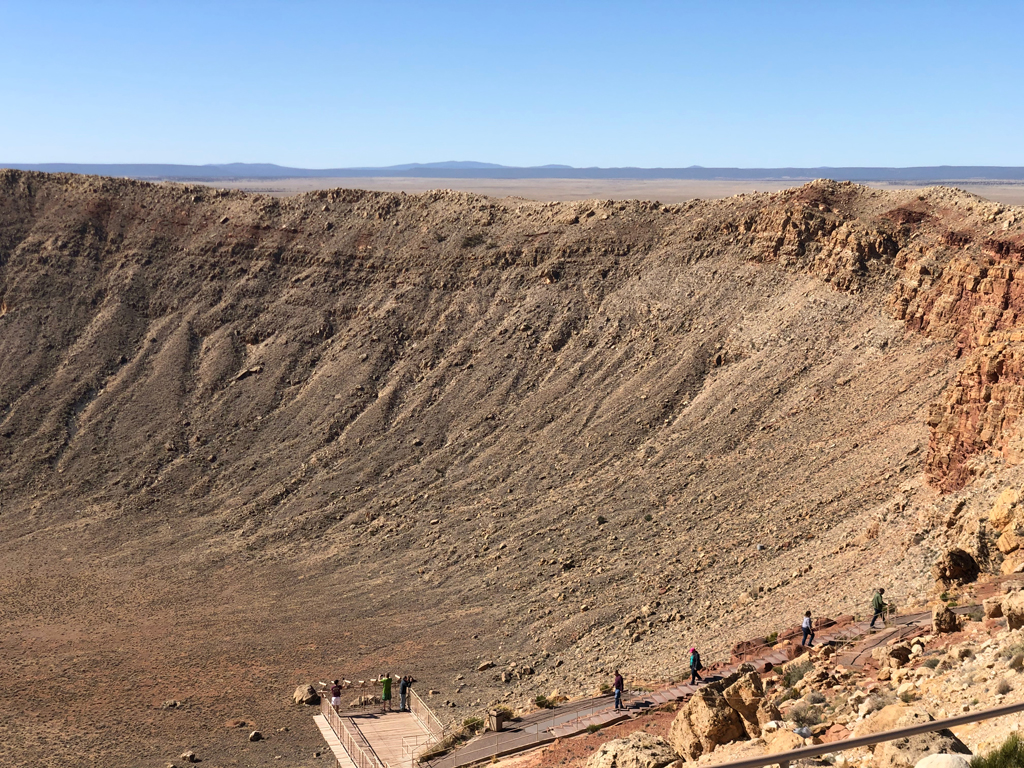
<point>248,442</point>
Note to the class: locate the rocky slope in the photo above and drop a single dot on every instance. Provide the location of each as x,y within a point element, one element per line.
<point>250,442</point>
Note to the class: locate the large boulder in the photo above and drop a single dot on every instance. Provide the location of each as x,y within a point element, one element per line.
<point>884,719</point>
<point>782,741</point>
<point>943,761</point>
<point>746,696</point>
<point>907,752</point>
<point>993,607</point>
<point>703,723</point>
<point>955,567</point>
<point>1013,609</point>
<point>944,620</point>
<point>306,694</point>
<point>638,750</point>
<point>1004,509</point>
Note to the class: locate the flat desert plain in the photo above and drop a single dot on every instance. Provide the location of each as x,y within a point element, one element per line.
<point>565,190</point>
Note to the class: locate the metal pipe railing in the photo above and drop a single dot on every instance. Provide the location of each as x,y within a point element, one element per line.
<point>360,756</point>
<point>426,718</point>
<point>783,759</point>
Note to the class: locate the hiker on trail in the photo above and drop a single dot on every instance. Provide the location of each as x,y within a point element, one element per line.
<point>385,695</point>
<point>808,629</point>
<point>403,691</point>
<point>878,606</point>
<point>695,667</point>
<point>617,687</point>
<point>336,694</point>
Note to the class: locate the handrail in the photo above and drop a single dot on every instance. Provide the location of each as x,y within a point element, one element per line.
<point>430,722</point>
<point>783,759</point>
<point>359,756</point>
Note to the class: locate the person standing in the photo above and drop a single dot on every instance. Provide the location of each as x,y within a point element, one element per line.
<point>878,606</point>
<point>808,630</point>
<point>403,692</point>
<point>336,694</point>
<point>385,695</point>
<point>695,667</point>
<point>617,687</point>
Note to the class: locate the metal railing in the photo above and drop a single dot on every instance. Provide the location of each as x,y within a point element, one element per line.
<point>426,718</point>
<point>783,759</point>
<point>362,757</point>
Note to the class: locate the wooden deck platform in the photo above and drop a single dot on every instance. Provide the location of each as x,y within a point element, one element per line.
<point>395,737</point>
<point>344,761</point>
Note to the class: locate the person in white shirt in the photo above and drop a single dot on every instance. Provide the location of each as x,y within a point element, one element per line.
<point>808,628</point>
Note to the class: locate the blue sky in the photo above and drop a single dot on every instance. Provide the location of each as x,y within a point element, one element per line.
<point>333,84</point>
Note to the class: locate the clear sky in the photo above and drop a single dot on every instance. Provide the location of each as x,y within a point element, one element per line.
<point>671,84</point>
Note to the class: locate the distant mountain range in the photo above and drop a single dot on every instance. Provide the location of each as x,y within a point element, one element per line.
<point>467,169</point>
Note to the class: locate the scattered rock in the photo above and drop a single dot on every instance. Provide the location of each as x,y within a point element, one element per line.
<point>955,567</point>
<point>171,704</point>
<point>189,757</point>
<point>255,736</point>
<point>235,724</point>
<point>638,750</point>
<point>485,665</point>
<point>306,694</point>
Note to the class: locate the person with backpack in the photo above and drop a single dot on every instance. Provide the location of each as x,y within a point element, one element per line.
<point>385,694</point>
<point>878,606</point>
<point>336,694</point>
<point>617,687</point>
<point>808,630</point>
<point>695,667</point>
<point>403,692</point>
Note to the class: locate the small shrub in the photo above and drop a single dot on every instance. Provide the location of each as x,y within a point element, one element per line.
<point>593,728</point>
<point>931,663</point>
<point>789,693</point>
<point>504,710</point>
<point>471,241</point>
<point>543,703</point>
<point>601,519</point>
<point>1004,687</point>
<point>648,517</point>
<point>772,638</point>
<point>977,613</point>
<point>1013,650</point>
<point>795,673</point>
<point>815,697</point>
<point>944,597</point>
<point>802,714</point>
<point>473,723</point>
<point>605,688</point>
<point>1009,755</point>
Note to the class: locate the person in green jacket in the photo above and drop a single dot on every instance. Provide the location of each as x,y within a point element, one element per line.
<point>385,695</point>
<point>878,606</point>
